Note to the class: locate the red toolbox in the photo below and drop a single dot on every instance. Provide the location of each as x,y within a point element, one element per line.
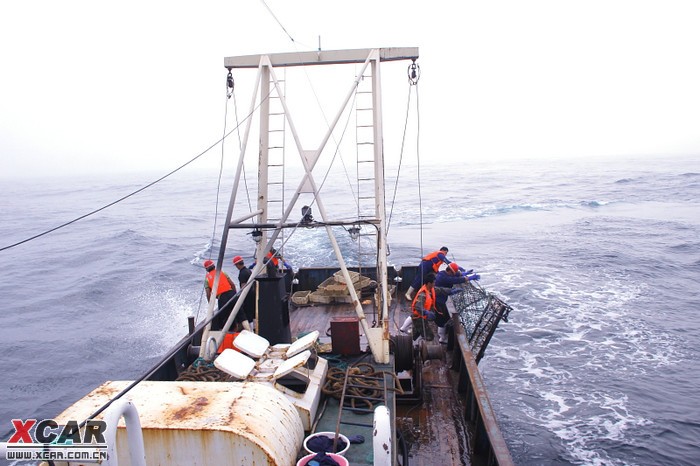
<point>345,335</point>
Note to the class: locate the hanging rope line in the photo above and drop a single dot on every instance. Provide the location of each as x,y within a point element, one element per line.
<point>420,197</point>
<point>123,198</point>
<point>278,21</point>
<point>221,163</point>
<point>251,280</point>
<point>325,120</point>
<point>240,145</point>
<point>398,171</point>
<point>318,101</point>
<point>229,92</point>
<point>336,153</point>
<point>413,77</point>
<point>285,29</point>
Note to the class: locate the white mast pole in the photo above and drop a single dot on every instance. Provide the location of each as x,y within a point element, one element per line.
<point>263,157</point>
<point>222,250</point>
<point>380,207</point>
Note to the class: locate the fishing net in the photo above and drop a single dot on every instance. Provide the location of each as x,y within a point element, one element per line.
<point>479,312</point>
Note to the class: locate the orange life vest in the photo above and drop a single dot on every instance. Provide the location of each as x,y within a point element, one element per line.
<point>275,260</point>
<point>227,343</point>
<point>224,285</point>
<point>434,255</point>
<point>429,301</point>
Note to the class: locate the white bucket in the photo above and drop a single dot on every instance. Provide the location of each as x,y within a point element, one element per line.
<point>330,435</point>
<point>338,459</point>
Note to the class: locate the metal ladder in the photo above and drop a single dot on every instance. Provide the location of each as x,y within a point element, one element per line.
<point>277,125</point>
<point>366,197</point>
<point>375,401</point>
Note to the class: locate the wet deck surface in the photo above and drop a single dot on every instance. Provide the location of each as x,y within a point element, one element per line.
<point>434,431</point>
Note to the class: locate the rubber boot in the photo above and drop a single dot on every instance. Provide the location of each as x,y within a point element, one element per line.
<point>246,325</point>
<point>442,335</point>
<point>406,325</point>
<point>408,293</point>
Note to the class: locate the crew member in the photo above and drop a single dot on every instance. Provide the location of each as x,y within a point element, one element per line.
<point>423,308</point>
<point>275,263</point>
<point>243,277</point>
<point>430,263</point>
<point>446,279</point>
<point>225,294</point>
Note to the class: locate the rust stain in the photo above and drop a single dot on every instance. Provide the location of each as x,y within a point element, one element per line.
<point>231,416</point>
<point>188,411</point>
<point>106,390</point>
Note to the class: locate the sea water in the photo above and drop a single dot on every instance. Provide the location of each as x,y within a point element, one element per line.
<point>599,258</point>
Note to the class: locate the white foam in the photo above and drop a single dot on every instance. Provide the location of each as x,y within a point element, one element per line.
<point>563,352</point>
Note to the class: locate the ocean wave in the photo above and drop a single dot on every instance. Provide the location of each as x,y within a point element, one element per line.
<point>174,303</point>
<point>594,203</point>
<point>685,247</point>
<point>129,235</point>
<point>566,333</point>
<point>444,214</point>
<point>199,256</point>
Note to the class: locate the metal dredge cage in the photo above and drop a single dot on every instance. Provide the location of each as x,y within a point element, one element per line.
<point>479,312</point>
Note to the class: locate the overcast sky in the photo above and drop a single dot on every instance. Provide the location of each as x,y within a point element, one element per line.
<point>94,86</point>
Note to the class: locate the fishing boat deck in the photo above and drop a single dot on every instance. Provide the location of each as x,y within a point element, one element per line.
<point>319,316</point>
<point>432,428</point>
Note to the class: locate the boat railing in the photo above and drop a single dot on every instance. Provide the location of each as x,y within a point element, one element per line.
<point>137,453</point>
<point>488,442</point>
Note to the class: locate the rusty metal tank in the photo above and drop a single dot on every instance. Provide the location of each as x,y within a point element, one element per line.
<point>204,423</point>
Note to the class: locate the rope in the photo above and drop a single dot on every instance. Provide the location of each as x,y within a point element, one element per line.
<point>403,352</point>
<point>218,187</point>
<point>164,360</point>
<point>278,21</point>
<point>320,107</point>
<point>221,171</point>
<point>201,371</point>
<point>134,192</point>
<point>420,198</point>
<point>335,154</point>
<point>398,171</point>
<point>240,143</point>
<point>364,385</point>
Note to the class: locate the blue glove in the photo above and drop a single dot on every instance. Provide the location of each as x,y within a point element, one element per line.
<point>474,277</point>
<point>430,315</point>
<point>456,291</point>
<point>468,272</point>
